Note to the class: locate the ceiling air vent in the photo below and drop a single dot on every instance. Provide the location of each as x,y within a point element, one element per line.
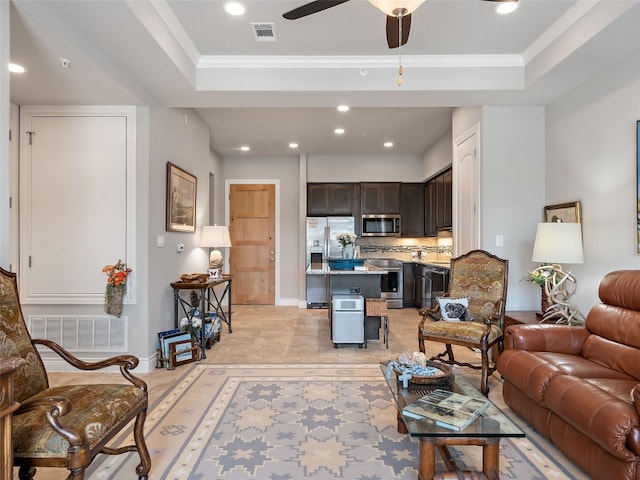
<point>264,32</point>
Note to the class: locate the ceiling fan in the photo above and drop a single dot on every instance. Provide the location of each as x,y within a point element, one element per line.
<point>398,15</point>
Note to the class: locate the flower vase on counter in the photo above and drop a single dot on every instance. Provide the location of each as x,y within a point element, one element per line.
<point>348,251</point>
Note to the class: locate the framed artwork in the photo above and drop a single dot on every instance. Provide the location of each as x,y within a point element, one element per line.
<point>181,200</point>
<point>563,212</point>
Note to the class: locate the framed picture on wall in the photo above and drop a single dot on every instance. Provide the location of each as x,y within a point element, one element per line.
<point>181,200</point>
<point>563,212</point>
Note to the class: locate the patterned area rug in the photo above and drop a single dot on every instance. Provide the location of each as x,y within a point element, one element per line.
<point>270,422</point>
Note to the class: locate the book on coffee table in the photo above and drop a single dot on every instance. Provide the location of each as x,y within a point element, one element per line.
<point>447,409</point>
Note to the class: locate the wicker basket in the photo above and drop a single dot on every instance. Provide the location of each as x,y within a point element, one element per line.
<point>194,277</point>
<point>444,380</point>
<point>376,307</point>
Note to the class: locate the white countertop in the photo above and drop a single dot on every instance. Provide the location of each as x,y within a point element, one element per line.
<point>324,269</point>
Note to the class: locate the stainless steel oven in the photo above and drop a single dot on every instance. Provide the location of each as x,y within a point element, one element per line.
<point>391,282</point>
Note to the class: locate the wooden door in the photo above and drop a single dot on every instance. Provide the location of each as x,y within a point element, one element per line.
<point>467,231</point>
<point>252,230</point>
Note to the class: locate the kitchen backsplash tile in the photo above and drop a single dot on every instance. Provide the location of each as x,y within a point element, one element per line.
<point>432,249</point>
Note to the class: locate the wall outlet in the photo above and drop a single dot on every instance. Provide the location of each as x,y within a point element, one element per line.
<point>499,241</point>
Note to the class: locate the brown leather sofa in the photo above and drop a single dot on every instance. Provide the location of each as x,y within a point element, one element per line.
<point>578,386</point>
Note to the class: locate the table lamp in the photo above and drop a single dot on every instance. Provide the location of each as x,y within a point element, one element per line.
<point>215,236</point>
<point>557,243</point>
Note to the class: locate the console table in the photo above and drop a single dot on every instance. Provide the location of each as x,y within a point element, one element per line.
<point>210,301</point>
<point>7,407</point>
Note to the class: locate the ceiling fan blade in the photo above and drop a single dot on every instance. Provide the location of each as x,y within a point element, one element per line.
<point>311,7</point>
<point>393,30</point>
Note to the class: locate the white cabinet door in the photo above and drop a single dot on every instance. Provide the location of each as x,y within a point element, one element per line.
<point>75,192</point>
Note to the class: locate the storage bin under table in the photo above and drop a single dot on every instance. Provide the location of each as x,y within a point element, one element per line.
<point>347,319</point>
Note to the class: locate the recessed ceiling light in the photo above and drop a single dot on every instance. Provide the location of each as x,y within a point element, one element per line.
<point>234,8</point>
<point>388,144</point>
<point>343,108</point>
<point>244,148</point>
<point>339,131</point>
<point>506,7</point>
<point>15,68</point>
<point>293,145</point>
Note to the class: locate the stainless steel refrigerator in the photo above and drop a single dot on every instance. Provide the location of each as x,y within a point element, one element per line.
<point>321,235</point>
<point>321,245</point>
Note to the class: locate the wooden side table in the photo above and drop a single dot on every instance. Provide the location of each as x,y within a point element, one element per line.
<point>209,302</point>
<point>519,317</point>
<point>7,407</point>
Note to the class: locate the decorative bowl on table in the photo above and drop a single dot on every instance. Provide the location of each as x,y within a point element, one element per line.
<point>431,374</point>
<point>344,263</point>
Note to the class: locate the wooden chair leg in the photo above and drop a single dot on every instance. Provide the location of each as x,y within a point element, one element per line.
<point>145,459</point>
<point>450,353</point>
<point>484,383</point>
<point>26,473</point>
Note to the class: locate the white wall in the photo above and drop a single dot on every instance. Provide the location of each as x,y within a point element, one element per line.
<point>437,157</point>
<point>364,168</point>
<point>591,157</point>
<point>4,127</point>
<point>181,137</point>
<point>290,269</point>
<point>512,195</point>
<point>511,156</point>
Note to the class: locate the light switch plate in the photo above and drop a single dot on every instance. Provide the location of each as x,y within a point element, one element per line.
<point>499,241</point>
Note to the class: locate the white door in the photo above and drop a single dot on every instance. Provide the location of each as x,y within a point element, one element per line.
<point>76,177</point>
<point>466,189</point>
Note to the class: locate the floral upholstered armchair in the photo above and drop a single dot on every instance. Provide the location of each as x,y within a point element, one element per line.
<point>66,426</point>
<point>478,296</point>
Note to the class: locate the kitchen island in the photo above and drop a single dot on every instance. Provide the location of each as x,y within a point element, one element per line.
<point>364,280</point>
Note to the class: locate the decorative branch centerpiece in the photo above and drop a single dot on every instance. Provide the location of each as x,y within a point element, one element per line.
<point>116,287</point>
<point>348,242</point>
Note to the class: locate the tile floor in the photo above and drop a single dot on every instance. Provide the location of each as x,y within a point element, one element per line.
<point>274,334</point>
<point>269,334</point>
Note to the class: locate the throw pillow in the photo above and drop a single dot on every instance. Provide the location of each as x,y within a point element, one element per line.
<point>455,309</point>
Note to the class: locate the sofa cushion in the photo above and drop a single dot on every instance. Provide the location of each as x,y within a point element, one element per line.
<point>528,371</point>
<point>605,419</point>
<point>580,367</point>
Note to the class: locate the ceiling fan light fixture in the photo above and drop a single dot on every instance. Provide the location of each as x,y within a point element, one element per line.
<point>394,8</point>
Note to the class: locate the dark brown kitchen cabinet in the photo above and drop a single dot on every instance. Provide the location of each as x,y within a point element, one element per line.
<point>430,229</point>
<point>408,286</point>
<point>444,219</point>
<point>438,209</point>
<point>380,198</point>
<point>331,199</point>
<point>412,209</point>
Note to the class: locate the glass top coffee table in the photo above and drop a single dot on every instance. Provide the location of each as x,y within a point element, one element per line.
<point>486,431</point>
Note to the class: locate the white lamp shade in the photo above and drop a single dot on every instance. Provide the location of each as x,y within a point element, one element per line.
<point>558,242</point>
<point>216,236</point>
<point>392,7</point>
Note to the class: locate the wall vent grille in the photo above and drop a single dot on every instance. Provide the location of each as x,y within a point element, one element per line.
<point>82,333</point>
<point>264,32</point>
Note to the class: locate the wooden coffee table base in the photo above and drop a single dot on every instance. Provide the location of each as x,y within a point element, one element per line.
<point>427,458</point>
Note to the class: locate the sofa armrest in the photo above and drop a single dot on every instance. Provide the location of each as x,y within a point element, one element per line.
<point>546,338</point>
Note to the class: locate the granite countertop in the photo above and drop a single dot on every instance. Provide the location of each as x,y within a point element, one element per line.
<point>324,269</point>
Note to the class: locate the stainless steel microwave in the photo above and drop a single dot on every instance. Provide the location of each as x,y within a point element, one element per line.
<point>381,225</point>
